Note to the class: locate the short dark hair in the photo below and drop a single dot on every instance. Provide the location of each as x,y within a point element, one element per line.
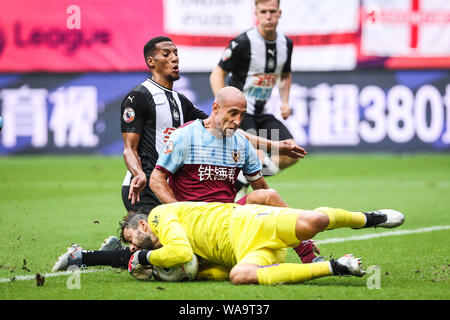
<point>260,1</point>
<point>151,45</point>
<point>131,220</point>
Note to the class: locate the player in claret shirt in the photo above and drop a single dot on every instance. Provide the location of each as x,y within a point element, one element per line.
<point>203,158</point>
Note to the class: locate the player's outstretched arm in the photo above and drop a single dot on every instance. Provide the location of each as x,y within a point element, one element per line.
<point>287,148</point>
<point>284,147</point>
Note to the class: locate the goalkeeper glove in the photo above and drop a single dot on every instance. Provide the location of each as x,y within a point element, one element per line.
<point>138,259</point>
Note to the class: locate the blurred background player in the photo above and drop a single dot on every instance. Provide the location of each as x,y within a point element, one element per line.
<point>257,60</point>
<point>249,241</point>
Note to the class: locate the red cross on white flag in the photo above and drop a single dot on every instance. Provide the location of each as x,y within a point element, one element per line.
<point>418,29</point>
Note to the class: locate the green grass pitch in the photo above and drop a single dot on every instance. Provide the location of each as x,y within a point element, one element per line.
<point>49,202</point>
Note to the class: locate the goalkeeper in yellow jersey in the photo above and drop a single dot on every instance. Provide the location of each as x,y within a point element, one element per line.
<point>247,242</point>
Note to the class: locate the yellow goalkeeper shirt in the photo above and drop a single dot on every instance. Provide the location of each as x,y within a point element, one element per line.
<point>184,228</point>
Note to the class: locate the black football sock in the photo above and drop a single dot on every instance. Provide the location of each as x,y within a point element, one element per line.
<point>113,258</point>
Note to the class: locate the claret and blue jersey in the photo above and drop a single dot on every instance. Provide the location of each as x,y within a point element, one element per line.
<point>202,167</point>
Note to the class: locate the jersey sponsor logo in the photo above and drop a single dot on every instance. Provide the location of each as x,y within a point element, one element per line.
<point>216,173</point>
<point>267,80</point>
<point>128,115</point>
<point>169,147</point>
<point>262,85</point>
<point>131,98</point>
<point>259,93</point>
<point>167,132</point>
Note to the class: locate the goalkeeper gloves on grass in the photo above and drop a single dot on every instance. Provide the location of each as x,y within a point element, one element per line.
<point>138,260</point>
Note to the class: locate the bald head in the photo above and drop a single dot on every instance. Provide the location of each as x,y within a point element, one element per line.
<point>230,96</point>
<point>227,113</point>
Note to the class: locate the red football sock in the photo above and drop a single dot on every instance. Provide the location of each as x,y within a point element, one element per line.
<point>305,251</point>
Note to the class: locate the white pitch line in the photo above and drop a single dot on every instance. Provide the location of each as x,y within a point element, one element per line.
<point>383,234</point>
<point>323,241</point>
<point>49,275</point>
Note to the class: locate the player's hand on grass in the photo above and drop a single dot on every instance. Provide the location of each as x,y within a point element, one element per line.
<point>137,184</point>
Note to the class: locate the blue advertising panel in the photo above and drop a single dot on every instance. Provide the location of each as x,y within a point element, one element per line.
<point>364,110</point>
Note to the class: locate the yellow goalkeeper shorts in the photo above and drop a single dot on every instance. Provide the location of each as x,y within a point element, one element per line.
<point>261,234</point>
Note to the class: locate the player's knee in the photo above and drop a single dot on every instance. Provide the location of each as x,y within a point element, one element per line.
<point>267,197</point>
<point>319,221</point>
<point>309,223</point>
<point>271,194</point>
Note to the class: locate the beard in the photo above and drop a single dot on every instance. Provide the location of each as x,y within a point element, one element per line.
<point>145,242</point>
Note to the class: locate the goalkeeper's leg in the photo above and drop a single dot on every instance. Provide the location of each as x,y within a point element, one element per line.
<point>247,273</point>
<point>309,223</point>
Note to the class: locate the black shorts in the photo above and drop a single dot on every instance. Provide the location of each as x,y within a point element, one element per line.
<point>148,200</point>
<point>265,126</point>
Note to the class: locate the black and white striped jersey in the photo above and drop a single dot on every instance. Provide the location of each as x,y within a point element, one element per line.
<point>255,65</point>
<point>154,111</point>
